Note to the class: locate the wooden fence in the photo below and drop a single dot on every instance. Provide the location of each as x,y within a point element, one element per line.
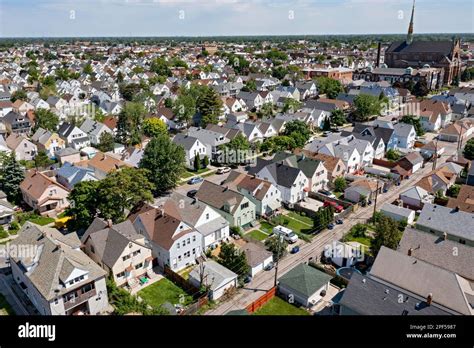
<point>182,283</point>
<point>261,301</point>
<point>384,163</point>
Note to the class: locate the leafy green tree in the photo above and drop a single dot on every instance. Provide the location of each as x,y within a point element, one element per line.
<point>12,175</point>
<point>154,126</point>
<point>129,123</point>
<point>340,184</point>
<point>106,142</point>
<point>161,67</point>
<point>277,246</point>
<point>18,95</point>
<point>421,89</point>
<point>209,106</point>
<point>291,105</point>
<point>469,149</point>
<point>184,107</point>
<point>233,259</point>
<point>329,86</point>
<point>266,110</point>
<point>130,91</point>
<point>392,155</point>
<point>453,191</point>
<point>197,162</point>
<point>386,234</point>
<point>46,119</point>
<point>298,131</point>
<point>164,161</point>
<point>366,106</point>
<point>42,160</point>
<point>83,205</point>
<point>88,69</point>
<point>327,124</point>
<point>205,161</point>
<point>338,118</point>
<point>359,231</point>
<point>279,72</point>
<point>122,190</point>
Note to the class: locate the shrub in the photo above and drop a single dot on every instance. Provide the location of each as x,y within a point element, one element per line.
<point>3,233</point>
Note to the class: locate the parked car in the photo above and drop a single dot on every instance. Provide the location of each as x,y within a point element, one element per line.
<point>327,193</point>
<point>331,226</point>
<point>195,180</point>
<point>269,267</point>
<point>338,208</point>
<point>192,193</point>
<point>223,170</point>
<point>287,234</point>
<point>339,221</point>
<point>295,249</point>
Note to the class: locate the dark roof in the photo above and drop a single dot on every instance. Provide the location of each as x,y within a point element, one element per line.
<point>442,47</point>
<point>304,279</point>
<point>366,296</point>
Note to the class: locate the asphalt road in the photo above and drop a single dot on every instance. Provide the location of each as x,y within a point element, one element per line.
<point>264,281</point>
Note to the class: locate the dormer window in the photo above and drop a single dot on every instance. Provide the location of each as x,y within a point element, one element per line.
<point>207,216</point>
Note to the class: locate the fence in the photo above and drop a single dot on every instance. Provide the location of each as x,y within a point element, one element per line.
<point>195,307</point>
<point>384,163</point>
<point>182,283</point>
<point>261,301</point>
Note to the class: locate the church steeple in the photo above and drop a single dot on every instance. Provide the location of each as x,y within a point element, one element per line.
<point>410,28</point>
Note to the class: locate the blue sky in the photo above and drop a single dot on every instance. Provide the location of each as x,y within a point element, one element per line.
<point>58,18</point>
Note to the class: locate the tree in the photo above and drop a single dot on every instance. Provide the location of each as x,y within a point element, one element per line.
<point>340,184</point>
<point>11,177</point>
<point>122,190</point>
<point>359,231</point>
<point>160,67</point>
<point>46,119</point>
<point>266,110</point>
<point>184,107</point>
<point>209,106</point>
<point>18,95</point>
<point>298,131</point>
<point>291,105</point>
<point>233,259</point>
<point>421,89</point>
<point>88,69</point>
<point>129,123</point>
<point>393,155</point>
<point>106,142</point>
<point>386,234</point>
<point>469,150</point>
<point>366,106</point>
<point>129,91</point>
<point>326,124</point>
<point>415,122</point>
<point>42,160</point>
<point>338,117</point>
<point>153,126</point>
<point>453,191</point>
<point>205,161</point>
<point>83,205</point>
<point>277,245</point>
<point>329,86</point>
<point>164,161</point>
<point>197,163</point>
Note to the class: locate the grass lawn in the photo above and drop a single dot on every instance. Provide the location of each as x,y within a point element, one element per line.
<point>362,240</point>
<point>277,306</point>
<point>34,218</point>
<point>258,235</point>
<point>5,308</point>
<point>164,291</point>
<point>296,225</point>
<point>303,219</point>
<point>266,227</point>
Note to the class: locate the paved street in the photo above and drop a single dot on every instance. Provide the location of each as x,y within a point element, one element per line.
<point>265,280</point>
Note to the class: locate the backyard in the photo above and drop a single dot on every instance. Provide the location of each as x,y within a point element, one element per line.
<point>278,306</point>
<point>258,235</point>
<point>5,308</point>
<point>165,291</point>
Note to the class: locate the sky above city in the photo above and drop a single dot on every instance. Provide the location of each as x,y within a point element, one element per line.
<point>63,18</point>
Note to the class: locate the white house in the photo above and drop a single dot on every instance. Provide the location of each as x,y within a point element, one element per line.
<point>192,147</point>
<point>218,278</point>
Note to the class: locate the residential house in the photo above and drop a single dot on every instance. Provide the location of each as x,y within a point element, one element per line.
<point>460,130</point>
<point>48,142</point>
<point>409,164</point>
<point>207,221</point>
<point>304,284</point>
<point>440,179</point>
<point>74,136</point>
<point>120,250</point>
<point>95,130</point>
<point>68,154</point>
<point>447,223</point>
<point>69,175</point>
<point>216,277</point>
<point>464,201</point>
<point>439,287</point>
<point>192,148</point>
<point>403,137</point>
<point>398,213</point>
<point>257,257</point>
<point>7,210</point>
<point>334,166</point>
<point>430,121</point>
<point>236,208</point>
<point>415,197</point>
<point>363,189</point>
<point>210,138</point>
<point>265,195</point>
<point>438,108</point>
<point>102,164</point>
<point>44,194</point>
<point>58,278</point>
<point>22,107</point>
<point>24,148</point>
<point>16,123</point>
<point>174,243</point>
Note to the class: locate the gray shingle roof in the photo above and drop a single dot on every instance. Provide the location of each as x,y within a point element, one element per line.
<point>304,279</point>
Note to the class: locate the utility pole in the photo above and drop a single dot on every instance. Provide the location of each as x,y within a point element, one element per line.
<point>435,160</point>
<point>280,239</point>
<point>376,196</point>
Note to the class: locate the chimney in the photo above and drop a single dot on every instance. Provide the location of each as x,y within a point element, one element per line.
<point>429,299</point>
<point>379,50</point>
<point>445,236</point>
<point>410,251</point>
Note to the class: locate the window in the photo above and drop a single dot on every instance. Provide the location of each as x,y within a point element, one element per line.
<point>178,246</point>
<point>140,265</point>
<point>194,251</point>
<point>207,216</point>
<point>135,253</point>
<point>120,275</point>
<point>86,288</point>
<point>179,258</point>
<point>126,257</point>
<point>194,238</point>
<point>189,240</point>
<point>245,205</point>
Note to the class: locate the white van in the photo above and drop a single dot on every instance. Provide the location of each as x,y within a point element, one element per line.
<point>288,234</point>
